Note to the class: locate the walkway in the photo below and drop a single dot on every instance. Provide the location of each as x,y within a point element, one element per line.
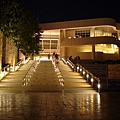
<point>44,99</point>
<point>13,81</point>
<point>44,79</point>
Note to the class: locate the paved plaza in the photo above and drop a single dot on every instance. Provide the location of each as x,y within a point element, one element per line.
<point>44,97</point>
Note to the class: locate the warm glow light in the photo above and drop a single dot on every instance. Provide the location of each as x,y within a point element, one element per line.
<point>114,46</point>
<point>2,74</point>
<point>91,79</point>
<point>49,39</point>
<point>98,85</point>
<point>98,98</point>
<point>8,69</point>
<point>59,76</point>
<point>83,72</point>
<point>87,76</point>
<point>51,32</point>
<point>64,61</point>
<point>78,68</point>
<point>107,48</point>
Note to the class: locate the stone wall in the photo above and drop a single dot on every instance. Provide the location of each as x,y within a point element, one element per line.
<point>8,52</point>
<point>114,71</point>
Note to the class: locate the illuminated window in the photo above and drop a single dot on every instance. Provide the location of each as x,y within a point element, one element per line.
<point>54,44</point>
<point>82,33</point>
<point>46,44</point>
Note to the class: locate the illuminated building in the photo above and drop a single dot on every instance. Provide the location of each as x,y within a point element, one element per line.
<point>96,39</point>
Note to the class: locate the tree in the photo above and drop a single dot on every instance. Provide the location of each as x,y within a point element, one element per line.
<point>20,26</point>
<point>30,33</point>
<point>10,16</point>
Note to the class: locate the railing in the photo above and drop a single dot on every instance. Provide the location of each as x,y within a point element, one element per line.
<point>28,75</point>
<point>90,78</point>
<point>17,66</point>
<point>8,68</point>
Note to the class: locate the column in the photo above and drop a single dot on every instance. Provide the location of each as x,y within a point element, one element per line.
<point>93,51</point>
<point>92,32</point>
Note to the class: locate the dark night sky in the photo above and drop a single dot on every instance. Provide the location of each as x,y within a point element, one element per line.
<point>64,10</point>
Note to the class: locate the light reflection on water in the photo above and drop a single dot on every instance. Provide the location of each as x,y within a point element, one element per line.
<point>86,106</point>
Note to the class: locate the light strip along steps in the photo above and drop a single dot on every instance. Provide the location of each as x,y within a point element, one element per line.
<point>13,81</point>
<point>74,82</point>
<point>44,79</point>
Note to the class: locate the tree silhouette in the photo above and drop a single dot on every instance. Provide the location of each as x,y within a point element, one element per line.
<point>20,26</point>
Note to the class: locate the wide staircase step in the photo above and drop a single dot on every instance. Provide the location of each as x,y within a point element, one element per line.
<point>13,81</point>
<point>73,81</point>
<point>44,79</point>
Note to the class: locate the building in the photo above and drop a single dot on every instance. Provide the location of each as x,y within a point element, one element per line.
<point>9,54</point>
<point>95,39</point>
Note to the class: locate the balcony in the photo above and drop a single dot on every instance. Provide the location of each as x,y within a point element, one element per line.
<point>90,40</point>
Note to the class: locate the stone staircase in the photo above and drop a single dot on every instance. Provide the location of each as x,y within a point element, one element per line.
<point>74,82</point>
<point>46,79</point>
<point>13,81</point>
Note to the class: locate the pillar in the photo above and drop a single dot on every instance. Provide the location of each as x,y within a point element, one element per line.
<point>93,51</point>
<point>92,33</point>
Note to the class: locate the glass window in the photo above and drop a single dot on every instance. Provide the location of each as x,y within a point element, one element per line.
<point>54,44</point>
<point>46,44</point>
<point>82,33</point>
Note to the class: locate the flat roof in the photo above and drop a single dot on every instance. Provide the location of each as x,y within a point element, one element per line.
<point>79,23</point>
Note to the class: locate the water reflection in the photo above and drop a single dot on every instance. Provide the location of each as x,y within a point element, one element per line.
<point>65,106</point>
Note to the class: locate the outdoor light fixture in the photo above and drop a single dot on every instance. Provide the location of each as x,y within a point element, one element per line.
<point>92,80</point>
<point>8,69</point>
<point>67,61</point>
<point>98,86</point>
<point>87,75</point>
<point>80,69</point>
<point>83,72</point>
<point>59,76</point>
<point>77,67</point>
<point>61,80</point>
<point>58,73</point>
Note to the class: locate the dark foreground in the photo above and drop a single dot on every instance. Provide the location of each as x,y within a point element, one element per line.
<point>59,106</point>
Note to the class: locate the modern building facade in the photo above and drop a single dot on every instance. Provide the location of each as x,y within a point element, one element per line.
<point>95,39</point>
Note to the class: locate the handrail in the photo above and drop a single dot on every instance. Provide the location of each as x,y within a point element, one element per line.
<point>92,79</point>
<point>19,63</point>
<point>8,68</point>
